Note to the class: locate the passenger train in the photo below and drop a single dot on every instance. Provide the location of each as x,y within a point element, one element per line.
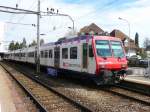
<point>100,58</point>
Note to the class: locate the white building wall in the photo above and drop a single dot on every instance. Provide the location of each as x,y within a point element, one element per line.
<point>131,52</point>
<point>148,54</point>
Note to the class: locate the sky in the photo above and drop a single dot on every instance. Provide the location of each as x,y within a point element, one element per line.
<point>2,36</point>
<point>104,13</point>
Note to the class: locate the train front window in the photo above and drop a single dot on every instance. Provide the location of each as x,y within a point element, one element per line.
<point>117,49</point>
<point>103,48</point>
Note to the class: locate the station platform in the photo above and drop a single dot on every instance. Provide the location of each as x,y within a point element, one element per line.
<point>138,75</point>
<point>11,100</point>
<point>138,79</point>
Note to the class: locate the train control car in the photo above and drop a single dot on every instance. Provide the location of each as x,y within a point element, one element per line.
<point>101,58</point>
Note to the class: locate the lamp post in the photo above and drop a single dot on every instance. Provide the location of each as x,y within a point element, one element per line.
<point>129,32</point>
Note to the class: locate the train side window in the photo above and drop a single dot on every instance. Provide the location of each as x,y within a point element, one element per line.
<point>50,53</point>
<point>35,54</point>
<point>42,54</point>
<point>65,53</point>
<point>31,54</point>
<point>73,53</point>
<point>46,54</point>
<point>28,54</point>
<point>90,51</point>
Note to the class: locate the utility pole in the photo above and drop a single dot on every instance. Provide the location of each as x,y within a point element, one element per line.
<point>38,38</point>
<point>6,9</point>
<point>17,10</point>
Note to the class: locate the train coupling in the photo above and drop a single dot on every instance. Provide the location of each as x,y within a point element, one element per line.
<point>119,75</point>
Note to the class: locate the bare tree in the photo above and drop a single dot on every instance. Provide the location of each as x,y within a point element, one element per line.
<point>146,42</point>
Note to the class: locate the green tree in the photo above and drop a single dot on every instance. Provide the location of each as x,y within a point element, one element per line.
<point>137,39</point>
<point>33,43</point>
<point>143,55</point>
<point>17,46</point>
<point>24,43</point>
<point>11,46</point>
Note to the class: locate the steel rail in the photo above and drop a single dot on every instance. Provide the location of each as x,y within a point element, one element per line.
<point>38,80</point>
<point>126,96</point>
<point>38,104</point>
<point>135,87</point>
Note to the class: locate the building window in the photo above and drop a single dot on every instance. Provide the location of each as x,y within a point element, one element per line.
<point>64,53</point>
<point>73,53</point>
<point>51,53</point>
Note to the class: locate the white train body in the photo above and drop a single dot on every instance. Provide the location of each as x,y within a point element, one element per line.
<point>77,54</point>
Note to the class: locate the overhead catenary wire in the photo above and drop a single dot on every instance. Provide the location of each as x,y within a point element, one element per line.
<point>34,2</point>
<point>58,14</point>
<point>11,8</point>
<point>14,12</point>
<point>22,17</point>
<point>20,23</point>
<point>13,15</point>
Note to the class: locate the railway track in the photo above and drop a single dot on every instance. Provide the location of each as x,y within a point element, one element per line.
<point>46,98</point>
<point>136,91</point>
<point>135,87</point>
<point>90,101</point>
<point>129,94</point>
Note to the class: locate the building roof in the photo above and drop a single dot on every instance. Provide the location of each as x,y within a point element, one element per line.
<point>119,34</point>
<point>91,28</point>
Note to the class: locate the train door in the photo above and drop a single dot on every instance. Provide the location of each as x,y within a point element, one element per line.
<point>35,56</point>
<point>57,57</point>
<point>84,56</point>
<point>91,60</point>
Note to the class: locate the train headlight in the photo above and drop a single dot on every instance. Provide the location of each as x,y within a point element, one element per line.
<point>102,66</point>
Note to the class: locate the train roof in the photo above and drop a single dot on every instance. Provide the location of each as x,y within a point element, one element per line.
<point>67,40</point>
<point>77,38</point>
